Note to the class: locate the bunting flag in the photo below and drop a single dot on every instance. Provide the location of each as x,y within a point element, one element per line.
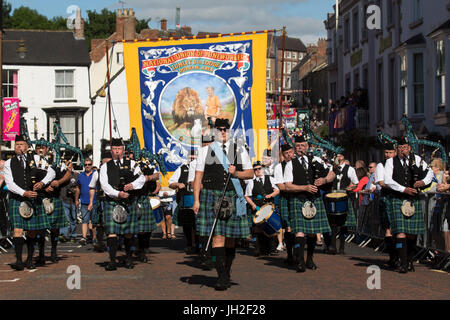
<point>177,87</point>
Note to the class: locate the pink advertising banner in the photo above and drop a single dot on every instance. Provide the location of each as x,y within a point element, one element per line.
<point>11,124</point>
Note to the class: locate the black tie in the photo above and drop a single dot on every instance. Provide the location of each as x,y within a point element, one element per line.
<point>118,163</point>
<point>304,164</point>
<point>23,161</point>
<point>224,148</point>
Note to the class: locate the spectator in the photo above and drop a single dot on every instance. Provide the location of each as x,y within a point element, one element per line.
<point>68,198</point>
<point>361,173</point>
<point>87,216</point>
<point>360,164</point>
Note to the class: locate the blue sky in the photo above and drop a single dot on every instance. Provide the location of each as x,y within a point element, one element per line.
<point>303,18</point>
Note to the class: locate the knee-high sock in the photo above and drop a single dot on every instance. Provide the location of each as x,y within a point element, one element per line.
<point>112,243</point>
<point>218,255</point>
<point>299,249</point>
<point>327,238</point>
<point>344,230</point>
<point>18,247</point>
<point>289,240</point>
<point>30,247</point>
<point>40,238</point>
<point>402,250</point>
<point>141,241</point>
<point>411,248</point>
<point>390,248</point>
<point>187,230</point>
<point>334,231</point>
<point>311,242</point>
<point>128,242</point>
<point>148,235</point>
<point>54,238</point>
<point>230,254</point>
<point>100,234</point>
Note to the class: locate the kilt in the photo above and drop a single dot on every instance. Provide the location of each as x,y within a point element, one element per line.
<point>129,227</point>
<point>176,212</point>
<point>37,221</point>
<point>298,223</point>
<point>146,223</point>
<point>57,219</point>
<point>351,219</point>
<point>235,227</point>
<point>402,224</point>
<point>284,212</point>
<point>384,211</point>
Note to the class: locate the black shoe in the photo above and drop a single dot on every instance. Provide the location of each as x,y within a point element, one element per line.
<point>63,239</point>
<point>111,266</point>
<point>310,264</point>
<point>341,252</point>
<point>99,247</point>
<point>54,257</point>
<point>403,269</point>
<point>411,267</point>
<point>221,285</point>
<point>301,267</point>
<point>332,250</point>
<point>208,265</point>
<point>188,250</point>
<point>142,257</point>
<point>40,262</point>
<point>18,266</point>
<point>128,263</point>
<point>257,253</point>
<point>30,265</point>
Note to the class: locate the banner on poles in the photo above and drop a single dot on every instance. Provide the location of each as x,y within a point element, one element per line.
<point>11,125</point>
<point>175,87</point>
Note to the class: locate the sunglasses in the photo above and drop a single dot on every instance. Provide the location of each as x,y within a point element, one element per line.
<point>222,129</point>
<point>258,169</point>
<point>88,164</point>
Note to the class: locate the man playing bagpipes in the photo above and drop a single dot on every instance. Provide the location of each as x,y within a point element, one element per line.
<point>307,217</point>
<point>26,211</point>
<point>53,204</point>
<point>385,203</point>
<point>216,164</point>
<point>118,180</point>
<point>260,191</point>
<point>405,174</point>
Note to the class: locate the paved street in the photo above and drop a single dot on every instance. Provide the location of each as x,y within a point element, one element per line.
<point>171,274</point>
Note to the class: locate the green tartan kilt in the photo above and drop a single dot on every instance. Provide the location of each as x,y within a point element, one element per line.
<point>402,224</point>
<point>284,212</point>
<point>38,221</point>
<point>384,211</point>
<point>351,219</point>
<point>131,226</point>
<point>298,223</point>
<point>57,219</point>
<point>146,223</point>
<point>175,216</point>
<point>235,227</point>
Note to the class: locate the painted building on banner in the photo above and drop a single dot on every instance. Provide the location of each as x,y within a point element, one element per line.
<point>51,81</point>
<point>403,65</point>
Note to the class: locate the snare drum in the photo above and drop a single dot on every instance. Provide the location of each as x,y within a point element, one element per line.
<point>155,202</point>
<point>337,203</point>
<point>170,194</point>
<point>268,218</point>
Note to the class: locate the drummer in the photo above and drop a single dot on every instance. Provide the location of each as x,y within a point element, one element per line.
<point>303,176</point>
<point>346,180</point>
<point>185,199</point>
<point>259,191</point>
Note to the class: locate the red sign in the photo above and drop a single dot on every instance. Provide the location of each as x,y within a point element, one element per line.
<point>11,124</point>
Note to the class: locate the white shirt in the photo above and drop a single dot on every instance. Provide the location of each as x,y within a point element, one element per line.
<point>192,167</point>
<point>109,190</point>
<point>379,173</point>
<point>278,174</point>
<point>249,188</point>
<point>13,187</point>
<point>389,170</point>
<point>288,171</point>
<point>351,174</point>
<point>203,152</point>
<point>94,180</point>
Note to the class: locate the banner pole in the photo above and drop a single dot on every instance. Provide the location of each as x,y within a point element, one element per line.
<point>280,115</point>
<point>109,93</point>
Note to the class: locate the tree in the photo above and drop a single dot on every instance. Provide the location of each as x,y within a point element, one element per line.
<point>6,14</point>
<point>26,18</point>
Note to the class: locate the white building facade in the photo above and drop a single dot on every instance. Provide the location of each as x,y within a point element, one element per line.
<point>403,65</point>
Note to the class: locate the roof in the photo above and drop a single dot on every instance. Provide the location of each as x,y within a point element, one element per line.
<point>291,44</point>
<point>55,48</point>
<point>444,26</point>
<point>417,39</point>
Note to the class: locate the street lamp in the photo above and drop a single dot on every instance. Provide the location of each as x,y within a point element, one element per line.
<point>21,50</point>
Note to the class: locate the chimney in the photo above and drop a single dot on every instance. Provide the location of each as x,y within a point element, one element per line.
<point>78,26</point>
<point>125,24</point>
<point>163,25</point>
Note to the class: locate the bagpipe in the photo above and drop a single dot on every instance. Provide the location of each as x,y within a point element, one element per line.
<point>59,145</point>
<point>143,156</point>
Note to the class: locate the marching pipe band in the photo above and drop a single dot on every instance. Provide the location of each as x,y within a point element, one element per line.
<point>302,194</point>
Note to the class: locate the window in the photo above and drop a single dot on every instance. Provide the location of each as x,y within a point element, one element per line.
<point>333,91</point>
<point>347,34</point>
<point>119,56</point>
<point>440,74</point>
<point>355,28</point>
<point>417,10</point>
<point>356,78</point>
<point>268,69</point>
<point>71,125</point>
<point>418,85</point>
<point>380,92</point>
<point>288,69</point>
<point>287,82</point>
<point>294,55</point>
<point>390,12</point>
<point>348,84</point>
<point>10,84</point>
<point>404,84</point>
<point>269,86</point>
<point>64,84</point>
<point>365,78</point>
<point>392,89</point>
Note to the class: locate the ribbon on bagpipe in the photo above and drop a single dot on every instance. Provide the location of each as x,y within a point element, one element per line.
<point>56,145</point>
<point>314,139</point>
<point>414,142</point>
<point>143,155</point>
<point>384,138</point>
